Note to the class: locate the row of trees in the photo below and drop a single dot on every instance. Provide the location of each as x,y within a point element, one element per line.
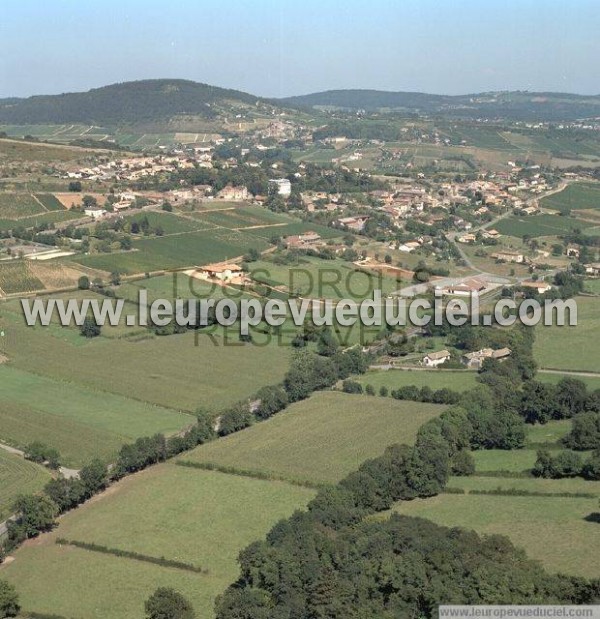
<point>567,464</point>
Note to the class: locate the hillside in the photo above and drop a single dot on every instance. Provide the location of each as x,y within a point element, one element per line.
<point>128,102</point>
<point>510,105</point>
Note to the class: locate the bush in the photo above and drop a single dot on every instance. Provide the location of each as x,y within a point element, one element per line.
<point>166,603</point>
<point>351,386</point>
<point>9,600</point>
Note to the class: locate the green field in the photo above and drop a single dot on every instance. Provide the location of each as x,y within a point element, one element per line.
<point>198,517</point>
<point>552,530</point>
<point>176,251</point>
<point>50,202</point>
<point>179,371</point>
<point>43,217</point>
<point>16,276</point>
<point>394,379</point>
<point>80,422</point>
<point>571,348</point>
<point>593,286</point>
<point>320,439</point>
<point>169,222</point>
<point>592,382</point>
<point>18,476</point>
<point>538,225</point>
<point>574,197</point>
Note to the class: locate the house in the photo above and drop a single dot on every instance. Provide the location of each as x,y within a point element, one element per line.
<point>223,271</point>
<point>234,193</point>
<point>95,212</point>
<point>572,251</point>
<point>509,256</point>
<point>409,246</point>
<point>491,234</point>
<point>357,223</point>
<point>433,359</point>
<point>474,360</point>
<point>283,186</point>
<point>466,238</point>
<point>593,269</point>
<point>540,287</point>
<point>465,288</point>
<point>302,240</point>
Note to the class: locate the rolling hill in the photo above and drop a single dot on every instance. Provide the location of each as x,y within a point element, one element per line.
<point>128,102</point>
<point>518,105</point>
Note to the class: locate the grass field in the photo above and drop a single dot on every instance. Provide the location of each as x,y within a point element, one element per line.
<point>593,286</point>
<point>592,382</point>
<point>199,517</point>
<point>50,202</point>
<point>320,439</point>
<point>574,197</point>
<point>571,348</point>
<point>18,476</point>
<point>552,530</point>
<point>43,217</point>
<point>538,225</point>
<point>393,379</point>
<point>179,371</point>
<point>85,424</point>
<point>169,222</point>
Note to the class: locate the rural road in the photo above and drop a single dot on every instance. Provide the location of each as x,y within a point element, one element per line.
<point>66,473</point>
<point>570,373</point>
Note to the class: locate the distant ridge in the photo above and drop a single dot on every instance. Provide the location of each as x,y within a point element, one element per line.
<point>517,105</point>
<point>161,100</point>
<point>127,102</point>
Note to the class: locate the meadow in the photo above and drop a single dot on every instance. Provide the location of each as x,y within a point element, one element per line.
<point>553,530</point>
<point>18,476</point>
<point>182,371</point>
<point>320,439</point>
<point>393,379</point>
<point>198,517</point>
<point>571,347</point>
<point>85,424</point>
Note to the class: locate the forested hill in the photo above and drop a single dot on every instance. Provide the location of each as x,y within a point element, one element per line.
<point>519,105</point>
<point>128,102</point>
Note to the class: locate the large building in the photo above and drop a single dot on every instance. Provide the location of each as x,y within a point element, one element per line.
<point>283,185</point>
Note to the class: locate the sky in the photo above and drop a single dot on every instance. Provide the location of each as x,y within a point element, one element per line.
<point>280,48</point>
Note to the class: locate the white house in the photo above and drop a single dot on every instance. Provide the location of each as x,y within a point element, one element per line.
<point>95,212</point>
<point>283,185</point>
<point>433,359</point>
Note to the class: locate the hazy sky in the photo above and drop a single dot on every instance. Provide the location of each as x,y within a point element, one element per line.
<point>280,48</point>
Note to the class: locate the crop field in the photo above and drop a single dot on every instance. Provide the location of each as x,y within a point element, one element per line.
<point>553,530</point>
<point>35,408</point>
<point>50,202</point>
<point>243,217</point>
<point>320,439</point>
<point>169,222</point>
<point>204,519</point>
<point>17,150</point>
<point>18,476</point>
<point>574,197</point>
<point>571,348</point>
<point>17,276</point>
<point>179,371</point>
<point>537,225</point>
<point>17,205</point>
<point>176,251</point>
<point>46,217</point>
<point>393,379</point>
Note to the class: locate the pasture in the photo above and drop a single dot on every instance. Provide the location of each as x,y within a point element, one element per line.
<point>442,379</point>
<point>181,371</point>
<point>571,347</point>
<point>198,517</point>
<point>553,530</point>
<point>85,424</point>
<point>18,476</point>
<point>320,439</point>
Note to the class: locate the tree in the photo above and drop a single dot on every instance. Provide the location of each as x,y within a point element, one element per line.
<point>35,514</point>
<point>115,278</point>
<point>351,386</point>
<point>90,328</point>
<point>369,389</point>
<point>83,283</point>
<point>94,476</point>
<point>89,201</point>
<point>166,603</point>
<point>75,186</point>
<point>9,600</point>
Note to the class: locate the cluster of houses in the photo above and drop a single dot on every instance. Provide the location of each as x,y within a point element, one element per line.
<point>473,360</point>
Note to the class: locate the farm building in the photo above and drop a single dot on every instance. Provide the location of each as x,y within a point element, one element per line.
<point>223,271</point>
<point>474,360</point>
<point>433,359</point>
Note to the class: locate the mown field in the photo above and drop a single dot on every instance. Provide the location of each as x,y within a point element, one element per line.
<point>320,439</point>
<point>80,422</point>
<point>18,476</point>
<point>574,197</point>
<point>571,348</point>
<point>552,529</point>
<point>179,371</point>
<point>443,379</point>
<point>197,517</point>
